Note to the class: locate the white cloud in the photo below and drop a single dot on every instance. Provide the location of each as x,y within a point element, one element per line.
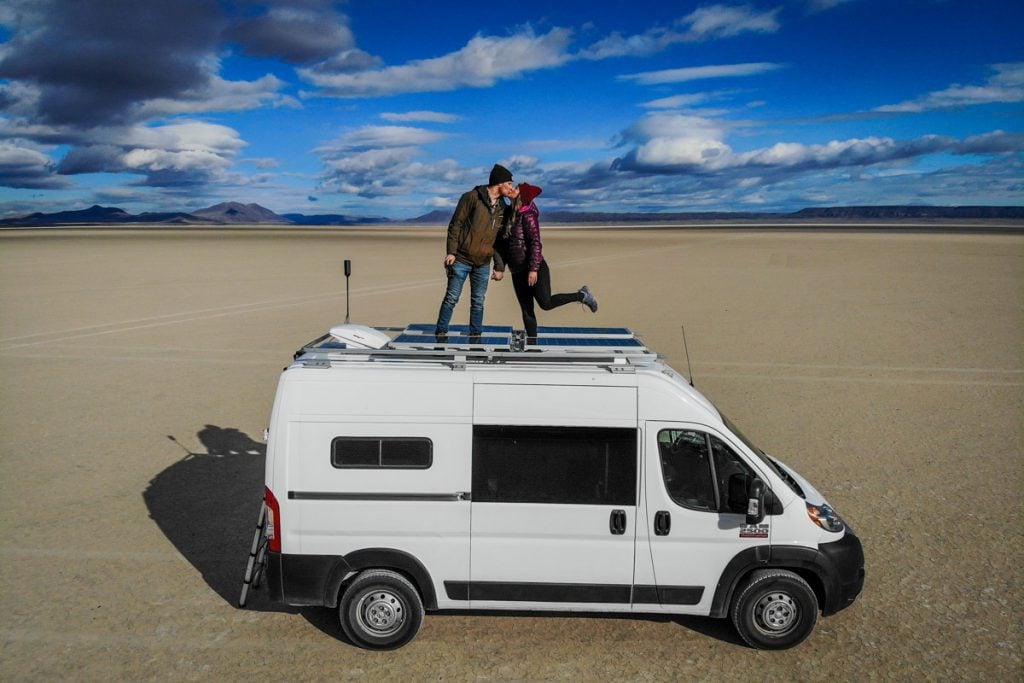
<point>672,143</point>
<point>374,137</point>
<point>263,163</point>
<point>371,161</point>
<point>220,95</point>
<point>429,116</point>
<point>677,101</point>
<point>481,63</point>
<point>695,73</point>
<point>177,154</point>
<point>375,161</point>
<point>1006,86</point>
<point>705,23</point>
<point>723,21</point>
<point>520,163</point>
<point>149,160</point>
<point>485,60</point>
<point>441,203</point>
<point>186,136</point>
<point>824,5</point>
<point>674,125</point>
<point>692,150</point>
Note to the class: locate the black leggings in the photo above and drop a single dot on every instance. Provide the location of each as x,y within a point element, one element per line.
<point>542,293</point>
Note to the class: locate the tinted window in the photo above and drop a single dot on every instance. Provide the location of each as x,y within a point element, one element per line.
<point>381,452</point>
<point>727,465</point>
<point>567,465</point>
<point>686,468</point>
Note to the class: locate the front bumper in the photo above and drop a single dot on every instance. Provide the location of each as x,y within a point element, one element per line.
<point>847,559</point>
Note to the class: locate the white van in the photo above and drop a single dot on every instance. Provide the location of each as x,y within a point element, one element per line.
<point>578,473</point>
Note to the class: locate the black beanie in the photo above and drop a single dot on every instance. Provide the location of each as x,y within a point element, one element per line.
<point>499,175</point>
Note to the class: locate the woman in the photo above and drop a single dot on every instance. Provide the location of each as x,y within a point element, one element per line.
<point>521,249</point>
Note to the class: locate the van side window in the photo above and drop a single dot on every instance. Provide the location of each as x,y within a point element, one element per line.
<point>382,452</point>
<point>686,468</point>
<point>564,465</point>
<point>727,464</point>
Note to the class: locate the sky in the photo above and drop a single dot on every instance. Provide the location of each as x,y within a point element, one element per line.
<point>394,108</point>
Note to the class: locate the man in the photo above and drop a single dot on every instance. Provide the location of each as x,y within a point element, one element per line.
<point>475,224</point>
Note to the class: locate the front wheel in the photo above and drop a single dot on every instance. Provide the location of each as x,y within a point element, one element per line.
<point>775,610</point>
<point>380,610</point>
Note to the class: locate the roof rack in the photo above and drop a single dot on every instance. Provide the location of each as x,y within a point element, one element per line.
<point>618,348</point>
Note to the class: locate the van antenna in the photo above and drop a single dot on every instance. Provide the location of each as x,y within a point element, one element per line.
<point>348,271</point>
<point>689,370</point>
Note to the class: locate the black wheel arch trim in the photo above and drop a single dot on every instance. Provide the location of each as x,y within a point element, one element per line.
<point>801,559</point>
<point>380,558</point>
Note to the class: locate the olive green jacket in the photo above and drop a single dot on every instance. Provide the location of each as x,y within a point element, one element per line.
<point>474,227</point>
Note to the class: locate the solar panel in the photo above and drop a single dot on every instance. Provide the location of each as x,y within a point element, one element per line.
<point>428,328</point>
<point>589,343</point>
<point>456,341</point>
<point>499,344</point>
<point>621,332</point>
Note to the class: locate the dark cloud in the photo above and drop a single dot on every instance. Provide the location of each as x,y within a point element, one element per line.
<point>92,159</point>
<point>22,167</point>
<point>996,142</point>
<point>347,62</point>
<point>93,63</point>
<point>296,33</point>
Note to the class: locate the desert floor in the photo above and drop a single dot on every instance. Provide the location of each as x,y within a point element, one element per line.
<point>138,372</point>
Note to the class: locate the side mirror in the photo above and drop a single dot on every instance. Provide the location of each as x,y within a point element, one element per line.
<point>755,501</point>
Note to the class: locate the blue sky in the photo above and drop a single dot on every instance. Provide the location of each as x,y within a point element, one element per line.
<point>392,108</point>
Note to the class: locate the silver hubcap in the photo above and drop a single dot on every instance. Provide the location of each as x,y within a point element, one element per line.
<point>775,614</point>
<point>381,612</point>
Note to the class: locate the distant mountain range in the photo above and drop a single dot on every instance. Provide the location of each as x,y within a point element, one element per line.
<point>234,213</point>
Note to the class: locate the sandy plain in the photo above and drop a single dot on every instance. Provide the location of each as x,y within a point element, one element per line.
<point>138,371</point>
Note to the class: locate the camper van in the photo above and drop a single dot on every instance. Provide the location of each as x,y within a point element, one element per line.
<point>574,473</point>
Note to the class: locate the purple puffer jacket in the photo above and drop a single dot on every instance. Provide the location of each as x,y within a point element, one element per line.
<point>521,249</point>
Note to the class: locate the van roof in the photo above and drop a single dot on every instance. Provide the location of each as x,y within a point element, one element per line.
<point>612,347</point>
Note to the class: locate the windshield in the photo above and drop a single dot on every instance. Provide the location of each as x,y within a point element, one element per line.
<point>761,455</point>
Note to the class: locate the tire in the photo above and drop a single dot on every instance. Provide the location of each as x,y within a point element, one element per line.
<point>775,610</point>
<point>380,610</point>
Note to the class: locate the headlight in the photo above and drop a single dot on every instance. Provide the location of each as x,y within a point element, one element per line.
<point>825,517</point>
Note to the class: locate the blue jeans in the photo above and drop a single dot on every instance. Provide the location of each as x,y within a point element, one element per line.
<point>478,279</point>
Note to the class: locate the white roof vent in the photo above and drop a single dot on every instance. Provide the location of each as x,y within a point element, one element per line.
<point>360,336</point>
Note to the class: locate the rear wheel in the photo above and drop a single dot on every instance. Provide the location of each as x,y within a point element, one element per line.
<point>380,610</point>
<point>776,609</point>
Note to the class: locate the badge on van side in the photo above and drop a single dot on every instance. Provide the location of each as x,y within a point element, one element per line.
<point>754,531</point>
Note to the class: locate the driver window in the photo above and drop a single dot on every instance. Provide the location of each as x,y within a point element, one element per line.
<point>686,468</point>
<point>727,464</point>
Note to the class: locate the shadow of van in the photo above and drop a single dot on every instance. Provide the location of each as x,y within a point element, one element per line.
<point>207,505</point>
<point>717,629</point>
<point>456,624</point>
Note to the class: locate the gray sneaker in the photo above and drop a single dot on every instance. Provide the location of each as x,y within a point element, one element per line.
<point>589,300</point>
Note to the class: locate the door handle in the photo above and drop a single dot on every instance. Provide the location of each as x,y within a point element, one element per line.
<point>662,523</point>
<point>617,522</point>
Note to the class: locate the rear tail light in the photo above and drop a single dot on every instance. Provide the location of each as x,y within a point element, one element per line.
<point>273,529</point>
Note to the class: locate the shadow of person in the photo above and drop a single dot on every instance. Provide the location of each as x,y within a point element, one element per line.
<point>207,505</point>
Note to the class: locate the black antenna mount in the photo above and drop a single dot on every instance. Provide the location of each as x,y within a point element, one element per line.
<point>348,272</point>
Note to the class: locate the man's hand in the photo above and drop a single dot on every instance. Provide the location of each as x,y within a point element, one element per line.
<point>531,279</point>
<point>496,275</point>
<point>449,259</point>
